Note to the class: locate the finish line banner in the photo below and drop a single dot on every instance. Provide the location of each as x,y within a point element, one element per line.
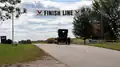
<point>56,12</point>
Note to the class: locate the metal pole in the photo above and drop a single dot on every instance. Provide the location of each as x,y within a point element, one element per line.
<point>12,28</point>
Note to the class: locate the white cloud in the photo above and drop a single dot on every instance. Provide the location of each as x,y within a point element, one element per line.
<point>30,26</point>
<point>64,5</point>
<point>36,20</point>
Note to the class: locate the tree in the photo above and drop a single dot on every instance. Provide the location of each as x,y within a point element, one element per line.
<point>28,41</point>
<point>110,12</point>
<point>9,9</point>
<point>82,23</point>
<point>25,41</point>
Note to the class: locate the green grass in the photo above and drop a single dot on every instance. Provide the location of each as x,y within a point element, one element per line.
<point>21,53</point>
<point>108,45</point>
<point>78,41</point>
<point>113,46</point>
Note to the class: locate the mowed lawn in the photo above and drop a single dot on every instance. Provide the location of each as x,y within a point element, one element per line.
<point>113,46</point>
<point>22,53</point>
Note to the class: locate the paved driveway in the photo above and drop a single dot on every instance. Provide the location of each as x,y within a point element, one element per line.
<point>83,56</point>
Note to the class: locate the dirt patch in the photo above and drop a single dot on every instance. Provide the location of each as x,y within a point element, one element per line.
<point>46,62</point>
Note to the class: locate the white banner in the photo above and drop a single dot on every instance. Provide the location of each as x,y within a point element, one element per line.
<point>56,12</point>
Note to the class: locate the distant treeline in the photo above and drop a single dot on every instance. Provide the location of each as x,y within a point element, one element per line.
<point>39,41</point>
<point>25,41</point>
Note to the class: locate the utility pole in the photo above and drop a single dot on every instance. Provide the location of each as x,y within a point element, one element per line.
<point>12,28</point>
<point>102,27</point>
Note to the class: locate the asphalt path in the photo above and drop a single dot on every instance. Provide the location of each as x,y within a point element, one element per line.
<point>83,56</point>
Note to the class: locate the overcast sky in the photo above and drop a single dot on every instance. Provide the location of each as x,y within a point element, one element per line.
<point>30,26</point>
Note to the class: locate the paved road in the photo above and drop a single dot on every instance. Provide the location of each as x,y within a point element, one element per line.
<point>83,56</point>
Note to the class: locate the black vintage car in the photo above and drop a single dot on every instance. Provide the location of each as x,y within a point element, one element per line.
<point>63,37</point>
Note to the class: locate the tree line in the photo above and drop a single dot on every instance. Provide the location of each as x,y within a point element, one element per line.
<point>100,21</point>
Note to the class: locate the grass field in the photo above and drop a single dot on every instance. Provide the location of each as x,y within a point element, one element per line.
<point>113,46</point>
<point>21,53</point>
<point>108,45</point>
<point>77,41</point>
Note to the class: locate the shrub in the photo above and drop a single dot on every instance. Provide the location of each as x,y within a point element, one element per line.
<point>8,41</point>
<point>51,40</point>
